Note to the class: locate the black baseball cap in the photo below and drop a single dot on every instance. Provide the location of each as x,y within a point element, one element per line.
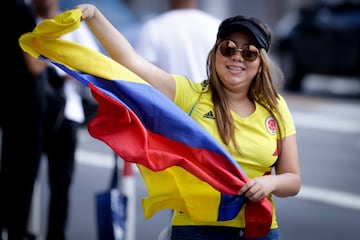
<point>250,25</point>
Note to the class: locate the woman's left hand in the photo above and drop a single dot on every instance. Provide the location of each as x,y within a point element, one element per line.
<point>257,188</point>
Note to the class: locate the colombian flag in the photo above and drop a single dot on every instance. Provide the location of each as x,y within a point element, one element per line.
<point>143,126</point>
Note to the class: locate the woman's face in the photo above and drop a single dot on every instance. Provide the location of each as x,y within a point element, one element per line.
<point>234,71</point>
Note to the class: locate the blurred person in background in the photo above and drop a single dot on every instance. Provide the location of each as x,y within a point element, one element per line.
<point>62,126</point>
<point>179,40</point>
<point>22,106</point>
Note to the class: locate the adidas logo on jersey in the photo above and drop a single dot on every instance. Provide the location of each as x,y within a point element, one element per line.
<point>209,114</point>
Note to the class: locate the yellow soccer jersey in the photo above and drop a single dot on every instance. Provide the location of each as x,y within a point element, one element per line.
<point>256,136</point>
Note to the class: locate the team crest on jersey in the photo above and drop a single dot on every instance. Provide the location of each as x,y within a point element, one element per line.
<point>270,124</point>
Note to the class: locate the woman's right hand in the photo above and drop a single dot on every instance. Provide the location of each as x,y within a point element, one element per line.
<point>88,10</point>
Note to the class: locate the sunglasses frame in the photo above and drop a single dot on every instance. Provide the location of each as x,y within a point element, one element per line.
<point>241,50</point>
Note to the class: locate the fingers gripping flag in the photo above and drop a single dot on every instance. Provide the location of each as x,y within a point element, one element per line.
<point>142,126</point>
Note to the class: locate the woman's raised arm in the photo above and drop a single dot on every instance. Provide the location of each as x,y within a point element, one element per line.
<point>119,49</point>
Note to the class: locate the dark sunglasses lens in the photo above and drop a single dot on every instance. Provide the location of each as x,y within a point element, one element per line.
<point>250,53</point>
<point>227,51</point>
<point>227,48</point>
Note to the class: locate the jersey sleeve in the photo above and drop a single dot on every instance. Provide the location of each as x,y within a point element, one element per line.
<point>187,92</point>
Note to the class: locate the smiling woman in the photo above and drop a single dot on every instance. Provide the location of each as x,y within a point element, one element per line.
<point>172,152</point>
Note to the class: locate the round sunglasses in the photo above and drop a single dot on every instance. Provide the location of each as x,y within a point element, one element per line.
<point>228,48</point>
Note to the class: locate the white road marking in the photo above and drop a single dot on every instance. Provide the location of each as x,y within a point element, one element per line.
<point>336,198</point>
<point>96,159</point>
<point>325,122</point>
